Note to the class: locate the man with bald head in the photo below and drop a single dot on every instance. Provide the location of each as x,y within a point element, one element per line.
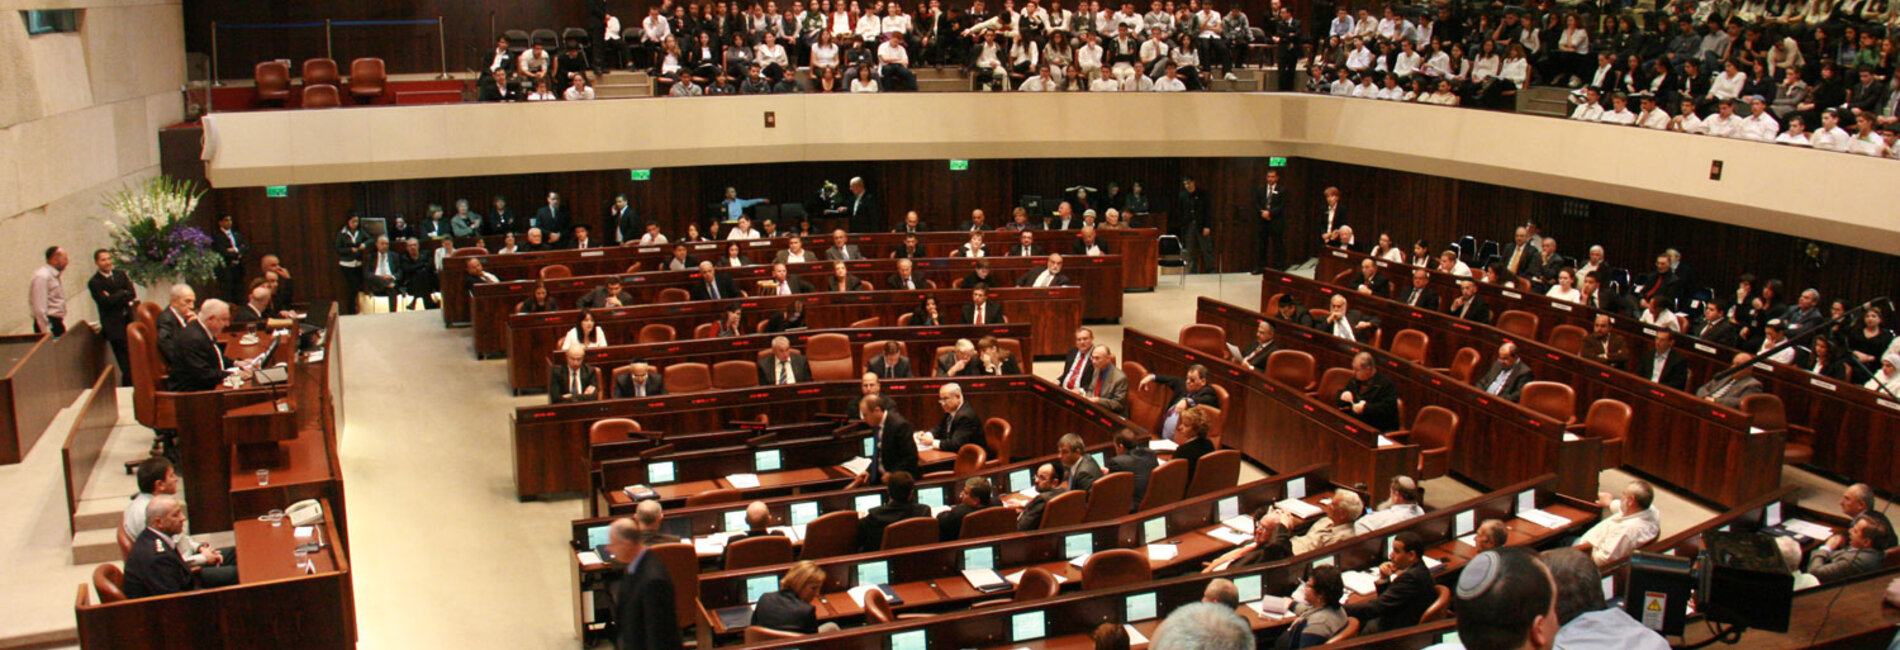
<point>960,426</point>
<point>154,566</point>
<point>644,613</point>
<point>712,286</point>
<point>573,380</point>
<point>1108,385</point>
<point>648,515</point>
<point>182,310</point>
<point>198,361</point>
<point>1507,375</point>
<point>256,309</point>
<point>1729,391</point>
<point>783,366</point>
<point>639,381</point>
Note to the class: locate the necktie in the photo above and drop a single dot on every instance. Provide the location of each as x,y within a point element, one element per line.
<point>1719,392</point>
<point>712,289</point>
<point>979,314</point>
<point>1656,368</point>
<point>1074,380</point>
<point>1098,384</point>
<point>1465,309</point>
<point>782,379</point>
<point>1343,329</point>
<point>1498,384</point>
<point>574,382</point>
<point>639,387</point>
<point>908,284</point>
<point>1516,254</point>
<point>1413,301</point>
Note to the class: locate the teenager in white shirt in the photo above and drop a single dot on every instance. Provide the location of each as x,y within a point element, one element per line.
<point>1760,125</point>
<point>1170,81</point>
<point>1619,112</point>
<point>1408,61</point>
<point>1652,116</point>
<point>1796,135</point>
<point>1830,137</point>
<point>1724,123</point>
<point>579,90</point>
<point>1590,109</point>
<point>1042,82</point>
<point>1104,81</point>
<point>1686,121</point>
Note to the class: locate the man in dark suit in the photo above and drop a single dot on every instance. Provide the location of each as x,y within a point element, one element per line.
<point>604,297</point>
<point>642,381</point>
<point>583,238</point>
<point>1050,276</point>
<point>1348,323</point>
<point>1077,469</point>
<point>1469,305</point>
<point>1716,326</point>
<point>960,361</point>
<point>382,272</point>
<point>1595,296</point>
<point>786,284</point>
<point>899,504</point>
<point>1663,364</point>
<point>178,314</point>
<point>644,614</point>
<point>1549,264</point>
<point>1603,345</point>
<point>256,308</point>
<point>573,381</point>
<point>960,426</point>
<point>842,250</point>
<point>1663,283</point>
<point>1132,455</point>
<point>113,293</point>
<point>1025,245</point>
<point>1270,243</point>
<point>896,448</point>
<point>1369,281</point>
<point>1196,214</point>
<point>1507,375</point>
<point>232,247</point>
<point>913,224</point>
<point>1291,311</point>
<point>1405,586</point>
<point>1420,294</point>
<point>981,311</point>
<point>862,210</point>
<point>1048,487</point>
<point>1189,390</point>
<point>154,566</point>
<point>1086,244</point>
<point>891,364</point>
<point>1264,345</point>
<point>784,366</point>
<point>1729,391</point>
<point>910,248</point>
<point>1521,257</point>
<point>551,219</point>
<point>626,223</point>
<point>906,278</point>
<point>1370,395</point>
<point>977,495</point>
<point>712,285</point>
<point>1077,371</point>
<point>198,361</point>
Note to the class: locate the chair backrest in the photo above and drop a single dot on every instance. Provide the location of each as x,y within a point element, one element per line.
<point>1067,509</point>
<point>141,344</point>
<point>1110,496</point>
<point>109,581</point>
<point>272,79</point>
<point>877,608</point>
<point>656,333</point>
<point>1144,404</point>
<point>125,542</point>
<point>1410,345</point>
<point>517,40</point>
<point>830,357</point>
<point>903,320</point>
<point>1333,381</point>
<point>1765,411</point>
<point>636,266</point>
<point>367,77</point>
<point>713,497</point>
<point>735,373</point>
<point>915,531</point>
<point>1559,401</point>
<point>1439,607</point>
<point>320,71</point>
<point>556,272</point>
<point>761,634</point>
<point>147,312</point>
<point>873,321</point>
<point>1036,584</point>
<point>1346,633</point>
<point>1568,338</point>
<point>1434,427</point>
<point>1210,340</point>
<point>682,568</point>
<point>321,96</point>
<point>612,427</point>
<point>575,37</point>
<point>764,550</point>
<point>688,377</point>
<point>997,520</point>
<point>675,294</point>
<point>1517,322</point>
<point>1607,419</point>
<point>547,38</point>
<point>830,535</point>
<point>1166,484</point>
<point>970,459</point>
<point>1214,471</point>
<point>1463,363</point>
<point>1294,368</point>
<point>706,331</point>
<point>999,435</point>
<point>1114,568</point>
<point>870,351</point>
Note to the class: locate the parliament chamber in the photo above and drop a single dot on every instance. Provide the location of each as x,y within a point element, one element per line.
<point>923,370</point>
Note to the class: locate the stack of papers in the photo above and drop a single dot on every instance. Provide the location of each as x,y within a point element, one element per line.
<point>588,558</point>
<point>1300,508</point>
<point>1385,442</point>
<point>1135,637</point>
<point>1430,564</point>
<point>1163,552</point>
<point>986,580</point>
<point>1807,528</point>
<point>1272,606</point>
<point>1078,561</point>
<point>1545,519</point>
<point>857,465</point>
<point>713,544</point>
<point>1361,582</point>
<point>743,481</point>
<point>1163,445</point>
<point>857,593</point>
<point>1230,536</point>
<point>1241,523</point>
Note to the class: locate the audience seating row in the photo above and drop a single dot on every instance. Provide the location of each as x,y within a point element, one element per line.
<point>320,81</point>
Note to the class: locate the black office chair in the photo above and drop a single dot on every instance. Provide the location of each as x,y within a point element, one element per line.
<point>546,38</point>
<point>1486,253</point>
<point>1171,255</point>
<point>517,41</point>
<point>1467,248</point>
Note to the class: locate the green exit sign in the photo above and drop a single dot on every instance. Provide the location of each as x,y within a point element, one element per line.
<point>959,165</point>
<point>640,174</point>
<point>1276,162</point>
<point>276,191</point>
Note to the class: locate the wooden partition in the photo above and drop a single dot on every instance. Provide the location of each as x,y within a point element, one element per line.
<point>43,375</point>
<point>1705,448</point>
<point>550,442</point>
<point>85,443</point>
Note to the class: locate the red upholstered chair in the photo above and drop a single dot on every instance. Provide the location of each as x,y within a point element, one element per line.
<point>148,372</point>
<point>1440,606</point>
<point>1410,345</point>
<point>1559,401</point>
<point>320,71</point>
<point>675,294</point>
<point>682,568</point>
<point>903,320</point>
<point>970,459</point>
<point>915,531</point>
<point>612,428</point>
<point>1067,509</point>
<point>1434,429</point>
<point>830,357</point>
<point>715,497</point>
<point>1767,413</point>
<point>1036,584</point>
<point>1114,568</point>
<point>125,542</point>
<point>1518,323</point>
<point>734,373</point>
<point>689,377</point>
<point>321,96</point>
<point>1295,368</point>
<point>367,78</point>
<point>273,82</point>
<point>1568,338</point>
<point>1463,364</point>
<point>764,550</point>
<point>830,535</point>
<point>1607,420</point>
<point>656,333</point>
<point>1110,496</point>
<point>706,331</point>
<point>759,634</point>
<point>873,321</point>
<point>998,435</point>
<point>109,581</point>
<point>1210,340</point>
<point>1346,633</point>
<point>1166,484</point>
<point>988,522</point>
<point>1214,471</point>
<point>556,272</point>
<point>635,268</point>
<point>1332,382</point>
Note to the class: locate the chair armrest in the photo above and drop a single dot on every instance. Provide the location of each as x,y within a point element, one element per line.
<point>992,603</point>
<point>944,474</point>
<point>1575,427</point>
<point>1399,436</point>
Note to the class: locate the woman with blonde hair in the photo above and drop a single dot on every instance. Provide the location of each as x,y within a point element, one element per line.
<point>790,608</point>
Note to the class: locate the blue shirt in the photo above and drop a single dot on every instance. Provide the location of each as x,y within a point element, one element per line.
<point>736,207</point>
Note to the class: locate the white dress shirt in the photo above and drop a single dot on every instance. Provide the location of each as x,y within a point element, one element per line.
<point>1615,537</point>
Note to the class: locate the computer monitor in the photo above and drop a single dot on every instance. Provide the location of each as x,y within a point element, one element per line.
<point>980,558</point>
<point>660,472</point>
<point>803,512</point>
<point>757,587</point>
<point>769,460</point>
<point>1141,607</point>
<point>874,573</point>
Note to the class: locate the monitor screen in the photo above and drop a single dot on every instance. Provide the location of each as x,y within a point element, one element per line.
<point>1249,588</point>
<point>863,503</point>
<point>874,573</point>
<point>1141,607</point>
<point>597,536</point>
<point>1101,459</point>
<point>1154,530</point>
<point>1078,545</point>
<point>1527,501</point>
<point>870,447</point>
<point>803,512</point>
<point>1020,480</point>
<point>979,559</point>
<point>911,640</point>
<point>932,497</point>
<point>734,521</point>
<point>1229,508</point>
<point>1464,522</point>
<point>1609,588</point>
<point>660,472</point>
<point>757,587</point>
<point>1324,561</point>
<point>1026,626</point>
<point>1771,516</point>
<point>1296,488</point>
<point>766,461</point>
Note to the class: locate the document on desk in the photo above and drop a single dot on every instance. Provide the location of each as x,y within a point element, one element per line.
<point>1272,606</point>
<point>588,558</point>
<point>1385,442</point>
<point>1431,564</point>
<point>1163,552</point>
<point>743,481</point>
<point>713,544</point>
<point>1361,582</point>
<point>857,593</point>
<point>1807,528</point>
<point>1159,446</point>
<point>1230,536</point>
<point>1135,637</point>
<point>857,465</point>
<point>1542,518</point>
<point>986,580</point>
<point>1300,508</point>
<point>1239,523</point>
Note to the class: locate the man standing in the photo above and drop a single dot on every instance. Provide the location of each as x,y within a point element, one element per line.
<point>643,599</point>
<point>861,209</point>
<point>1076,368</point>
<point>626,222</point>
<point>550,219</point>
<point>1197,216</point>
<point>896,451</point>
<point>232,247</point>
<point>1270,247</point>
<point>45,297</point>
<point>112,291</point>
<point>351,241</point>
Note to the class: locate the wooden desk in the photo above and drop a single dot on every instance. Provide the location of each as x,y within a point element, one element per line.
<point>43,375</point>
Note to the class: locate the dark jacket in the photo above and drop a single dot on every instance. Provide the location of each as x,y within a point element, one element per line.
<point>1427,298</point>
<point>197,363</point>
<point>896,452</point>
<point>1401,602</point>
<point>871,526</point>
<point>643,607</point>
<point>785,612</point>
<point>1083,475</point>
<point>899,370</point>
<point>992,313</point>
<point>1192,451</point>
<point>961,427</point>
<point>1031,518</point>
<point>1381,398</point>
<point>1029,279</point>
<point>624,385</point>
<point>798,367</point>
<point>115,297</point>
<point>1520,374</point>
<point>1140,462</point>
<point>597,299</point>
<point>1675,371</point>
<point>154,567</point>
<point>558,381</point>
<point>726,289</point>
<point>1476,311</point>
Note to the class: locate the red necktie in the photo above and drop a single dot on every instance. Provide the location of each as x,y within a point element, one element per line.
<point>1074,379</point>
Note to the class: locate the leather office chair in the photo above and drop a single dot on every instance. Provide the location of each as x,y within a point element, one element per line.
<point>1342,278</point>
<point>675,294</point>
<point>688,377</point>
<point>1000,436</point>
<point>1214,471</point>
<point>147,312</point>
<point>556,272</point>
<point>656,333</point>
<point>1463,364</point>
<point>988,522</point>
<point>1568,338</point>
<point>706,331</point>
<point>320,71</point>
<point>1144,404</point>
<point>1210,340</point>
<point>1607,420</point>
<point>1434,430</point>
<point>1332,382</point>
<point>1067,509</point>
<point>1410,345</point>
<point>321,96</point>
<point>934,356</point>
<point>1166,484</point>
<point>125,542</point>
<point>830,357</point>
<point>635,268</point>
<point>1110,496</point>
<point>1319,318</point>
<point>1440,606</point>
<point>877,608</point>
<point>682,569</point>
<point>830,535</point>
<point>109,581</point>
<point>1518,323</point>
<point>758,634</point>
<point>1559,401</point>
<point>1217,420</point>
<point>1036,584</point>
<point>903,320</point>
<point>273,81</point>
<point>1114,568</point>
<point>764,550</point>
<point>714,497</point>
<point>147,375</point>
<point>873,321</point>
<point>735,373</point>
<point>969,461</point>
<point>367,78</point>
<point>613,428</point>
<point>871,350</point>
<point>915,531</point>
<point>1295,368</point>
<point>1766,412</point>
<point>1346,633</point>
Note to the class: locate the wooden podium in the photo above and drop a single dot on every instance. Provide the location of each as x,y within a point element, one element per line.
<point>257,432</point>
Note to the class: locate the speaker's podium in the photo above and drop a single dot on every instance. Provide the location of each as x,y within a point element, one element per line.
<point>257,433</point>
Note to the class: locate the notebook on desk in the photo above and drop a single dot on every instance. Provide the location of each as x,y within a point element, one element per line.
<point>734,618</point>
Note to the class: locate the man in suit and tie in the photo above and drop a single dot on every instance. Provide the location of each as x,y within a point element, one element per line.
<point>1369,281</point>
<point>960,361</point>
<point>1188,390</point>
<point>712,285</point>
<point>610,295</point>
<point>913,224</point>
<point>1078,470</point>
<point>1663,283</point>
<point>1521,259</point>
<point>841,249</point>
<point>1108,387</point>
<point>1594,295</point>
<point>1025,245</point>
<point>1077,370</point>
<point>1063,219</point>
<point>906,277</point>
<point>862,209</point>
<point>896,448</point>
<point>640,381</point>
<point>1264,345</point>
<point>1270,240</point>
<point>1050,276</point>
<point>256,308</point>
<point>626,223</point>
<point>1549,263</point>
<point>1663,364</point>
<point>977,494</point>
<point>1348,323</point>
<point>785,284</point>
<point>644,613</point>
<point>1048,487</point>
<point>382,272</point>
<point>1468,305</point>
<point>1716,326</point>
<point>1132,455</point>
<point>910,249</point>
<point>1507,375</point>
<point>551,219</point>
<point>1196,212</point>
<point>1405,588</point>
<point>900,503</point>
<point>233,248</point>
<point>113,293</point>
<point>1086,243</point>
<point>1370,396</point>
<point>891,364</point>
<point>981,311</point>
<point>1729,391</point>
<point>1603,345</point>
<point>573,381</point>
<point>784,366</point>
<point>1420,294</point>
<point>978,222</point>
<point>961,425</point>
<point>583,238</point>
<point>198,361</point>
<point>180,313</point>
